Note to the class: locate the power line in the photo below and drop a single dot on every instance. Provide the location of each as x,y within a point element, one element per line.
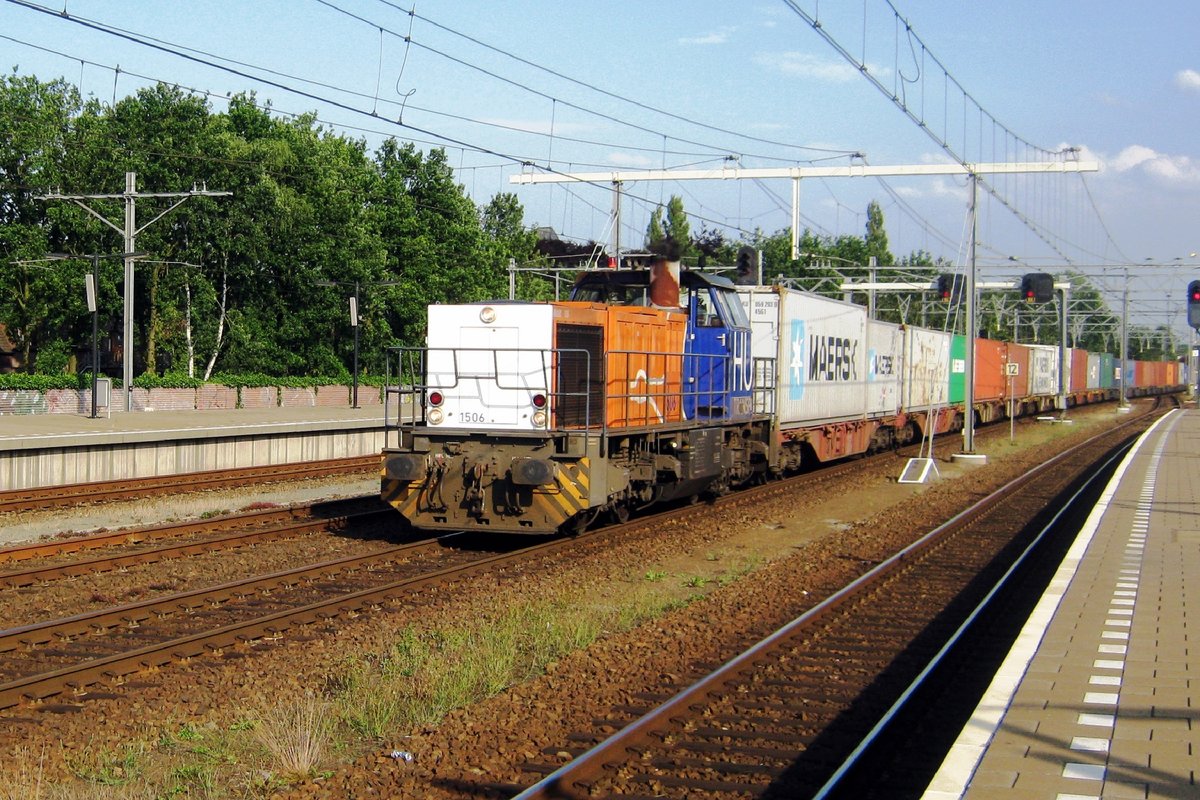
<point>412,13</point>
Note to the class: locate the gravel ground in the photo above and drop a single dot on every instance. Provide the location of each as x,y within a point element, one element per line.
<point>800,544</point>
<point>30,525</point>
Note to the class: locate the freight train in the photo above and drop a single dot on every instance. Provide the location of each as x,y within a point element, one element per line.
<point>656,384</point>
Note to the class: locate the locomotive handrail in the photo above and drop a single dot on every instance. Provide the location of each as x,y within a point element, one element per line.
<point>640,403</point>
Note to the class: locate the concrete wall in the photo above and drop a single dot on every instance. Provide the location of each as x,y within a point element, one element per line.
<point>25,469</point>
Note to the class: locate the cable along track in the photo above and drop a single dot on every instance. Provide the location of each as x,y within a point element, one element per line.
<point>780,719</point>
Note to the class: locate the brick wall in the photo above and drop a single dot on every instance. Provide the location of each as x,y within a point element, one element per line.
<point>297,398</point>
<point>211,396</point>
<point>259,397</point>
<point>71,401</point>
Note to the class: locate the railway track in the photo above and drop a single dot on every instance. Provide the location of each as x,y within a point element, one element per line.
<point>85,655</point>
<point>244,530</point>
<point>66,656</point>
<point>792,714</point>
<point>76,494</point>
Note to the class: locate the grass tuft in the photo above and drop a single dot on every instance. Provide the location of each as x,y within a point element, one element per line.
<point>296,736</point>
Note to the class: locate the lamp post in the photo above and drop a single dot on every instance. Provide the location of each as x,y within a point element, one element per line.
<point>354,323</point>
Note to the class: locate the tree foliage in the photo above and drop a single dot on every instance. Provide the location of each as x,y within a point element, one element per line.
<point>233,284</point>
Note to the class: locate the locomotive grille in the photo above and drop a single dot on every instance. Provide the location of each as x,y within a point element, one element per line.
<point>580,378</point>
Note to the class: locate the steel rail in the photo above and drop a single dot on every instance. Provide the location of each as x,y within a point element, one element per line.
<point>573,779</point>
<point>292,530</point>
<point>77,677</point>
<point>93,622</point>
<point>325,509</point>
<point>852,760</point>
<point>82,493</point>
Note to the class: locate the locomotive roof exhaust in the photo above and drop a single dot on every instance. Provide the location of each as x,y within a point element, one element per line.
<point>664,283</point>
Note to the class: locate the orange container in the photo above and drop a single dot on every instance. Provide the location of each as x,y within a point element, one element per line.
<point>632,374</point>
<point>645,366</point>
<point>991,383</point>
<point>1143,374</point>
<point>1019,354</point>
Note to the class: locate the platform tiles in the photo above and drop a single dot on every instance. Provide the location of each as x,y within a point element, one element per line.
<point>1098,698</point>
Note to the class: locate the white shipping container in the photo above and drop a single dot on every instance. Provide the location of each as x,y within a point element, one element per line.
<point>885,355</point>
<point>488,361</point>
<point>1093,371</point>
<point>820,346</point>
<point>926,368</point>
<point>1043,369</point>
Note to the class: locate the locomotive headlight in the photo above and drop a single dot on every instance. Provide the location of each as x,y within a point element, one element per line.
<point>487,315</point>
<point>539,419</point>
<point>435,416</point>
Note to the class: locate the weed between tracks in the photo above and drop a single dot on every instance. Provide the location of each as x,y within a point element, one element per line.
<point>370,700</point>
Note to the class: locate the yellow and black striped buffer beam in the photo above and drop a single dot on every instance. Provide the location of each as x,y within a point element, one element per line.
<point>568,495</point>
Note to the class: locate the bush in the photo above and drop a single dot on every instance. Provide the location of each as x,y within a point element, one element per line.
<point>16,381</point>
<point>53,358</point>
<point>170,380</point>
<point>256,380</point>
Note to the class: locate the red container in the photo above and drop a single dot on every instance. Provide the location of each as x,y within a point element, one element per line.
<point>1079,369</point>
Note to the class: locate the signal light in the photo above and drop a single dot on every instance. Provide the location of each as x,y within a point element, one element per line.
<point>435,398</point>
<point>949,287</point>
<point>1037,287</point>
<point>747,266</point>
<point>539,401</point>
<point>1194,304</point>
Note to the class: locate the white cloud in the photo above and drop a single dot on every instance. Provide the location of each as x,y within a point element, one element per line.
<point>1168,167</point>
<point>807,65</point>
<point>630,160</point>
<point>1164,167</point>
<point>719,36</point>
<point>1188,80</point>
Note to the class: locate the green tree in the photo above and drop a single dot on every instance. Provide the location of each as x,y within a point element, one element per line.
<point>35,124</point>
<point>669,233</point>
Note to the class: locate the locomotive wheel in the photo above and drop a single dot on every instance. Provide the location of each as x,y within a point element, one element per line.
<point>580,522</point>
<point>619,513</point>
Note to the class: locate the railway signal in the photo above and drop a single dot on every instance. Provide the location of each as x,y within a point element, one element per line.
<point>949,287</point>
<point>747,266</point>
<point>1194,304</point>
<point>1037,287</point>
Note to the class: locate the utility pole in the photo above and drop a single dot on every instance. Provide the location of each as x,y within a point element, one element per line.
<point>129,231</point>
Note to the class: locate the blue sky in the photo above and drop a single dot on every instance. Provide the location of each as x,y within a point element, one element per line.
<point>1121,82</point>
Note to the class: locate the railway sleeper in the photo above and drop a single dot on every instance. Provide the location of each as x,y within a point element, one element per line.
<point>720,748</point>
<point>721,765</point>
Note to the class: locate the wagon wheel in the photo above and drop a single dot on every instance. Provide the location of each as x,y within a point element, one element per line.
<point>619,513</point>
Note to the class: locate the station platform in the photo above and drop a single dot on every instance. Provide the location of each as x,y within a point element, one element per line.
<point>39,450</point>
<point>1100,696</point>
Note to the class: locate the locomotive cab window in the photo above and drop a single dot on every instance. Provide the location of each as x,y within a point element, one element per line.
<point>707,311</point>
<point>731,309</point>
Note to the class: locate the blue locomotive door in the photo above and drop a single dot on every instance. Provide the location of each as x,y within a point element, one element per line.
<point>717,369</point>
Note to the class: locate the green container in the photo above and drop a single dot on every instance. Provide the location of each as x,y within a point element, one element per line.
<point>958,369</point>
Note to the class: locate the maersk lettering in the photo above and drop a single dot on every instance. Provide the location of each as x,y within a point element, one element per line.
<point>832,358</point>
